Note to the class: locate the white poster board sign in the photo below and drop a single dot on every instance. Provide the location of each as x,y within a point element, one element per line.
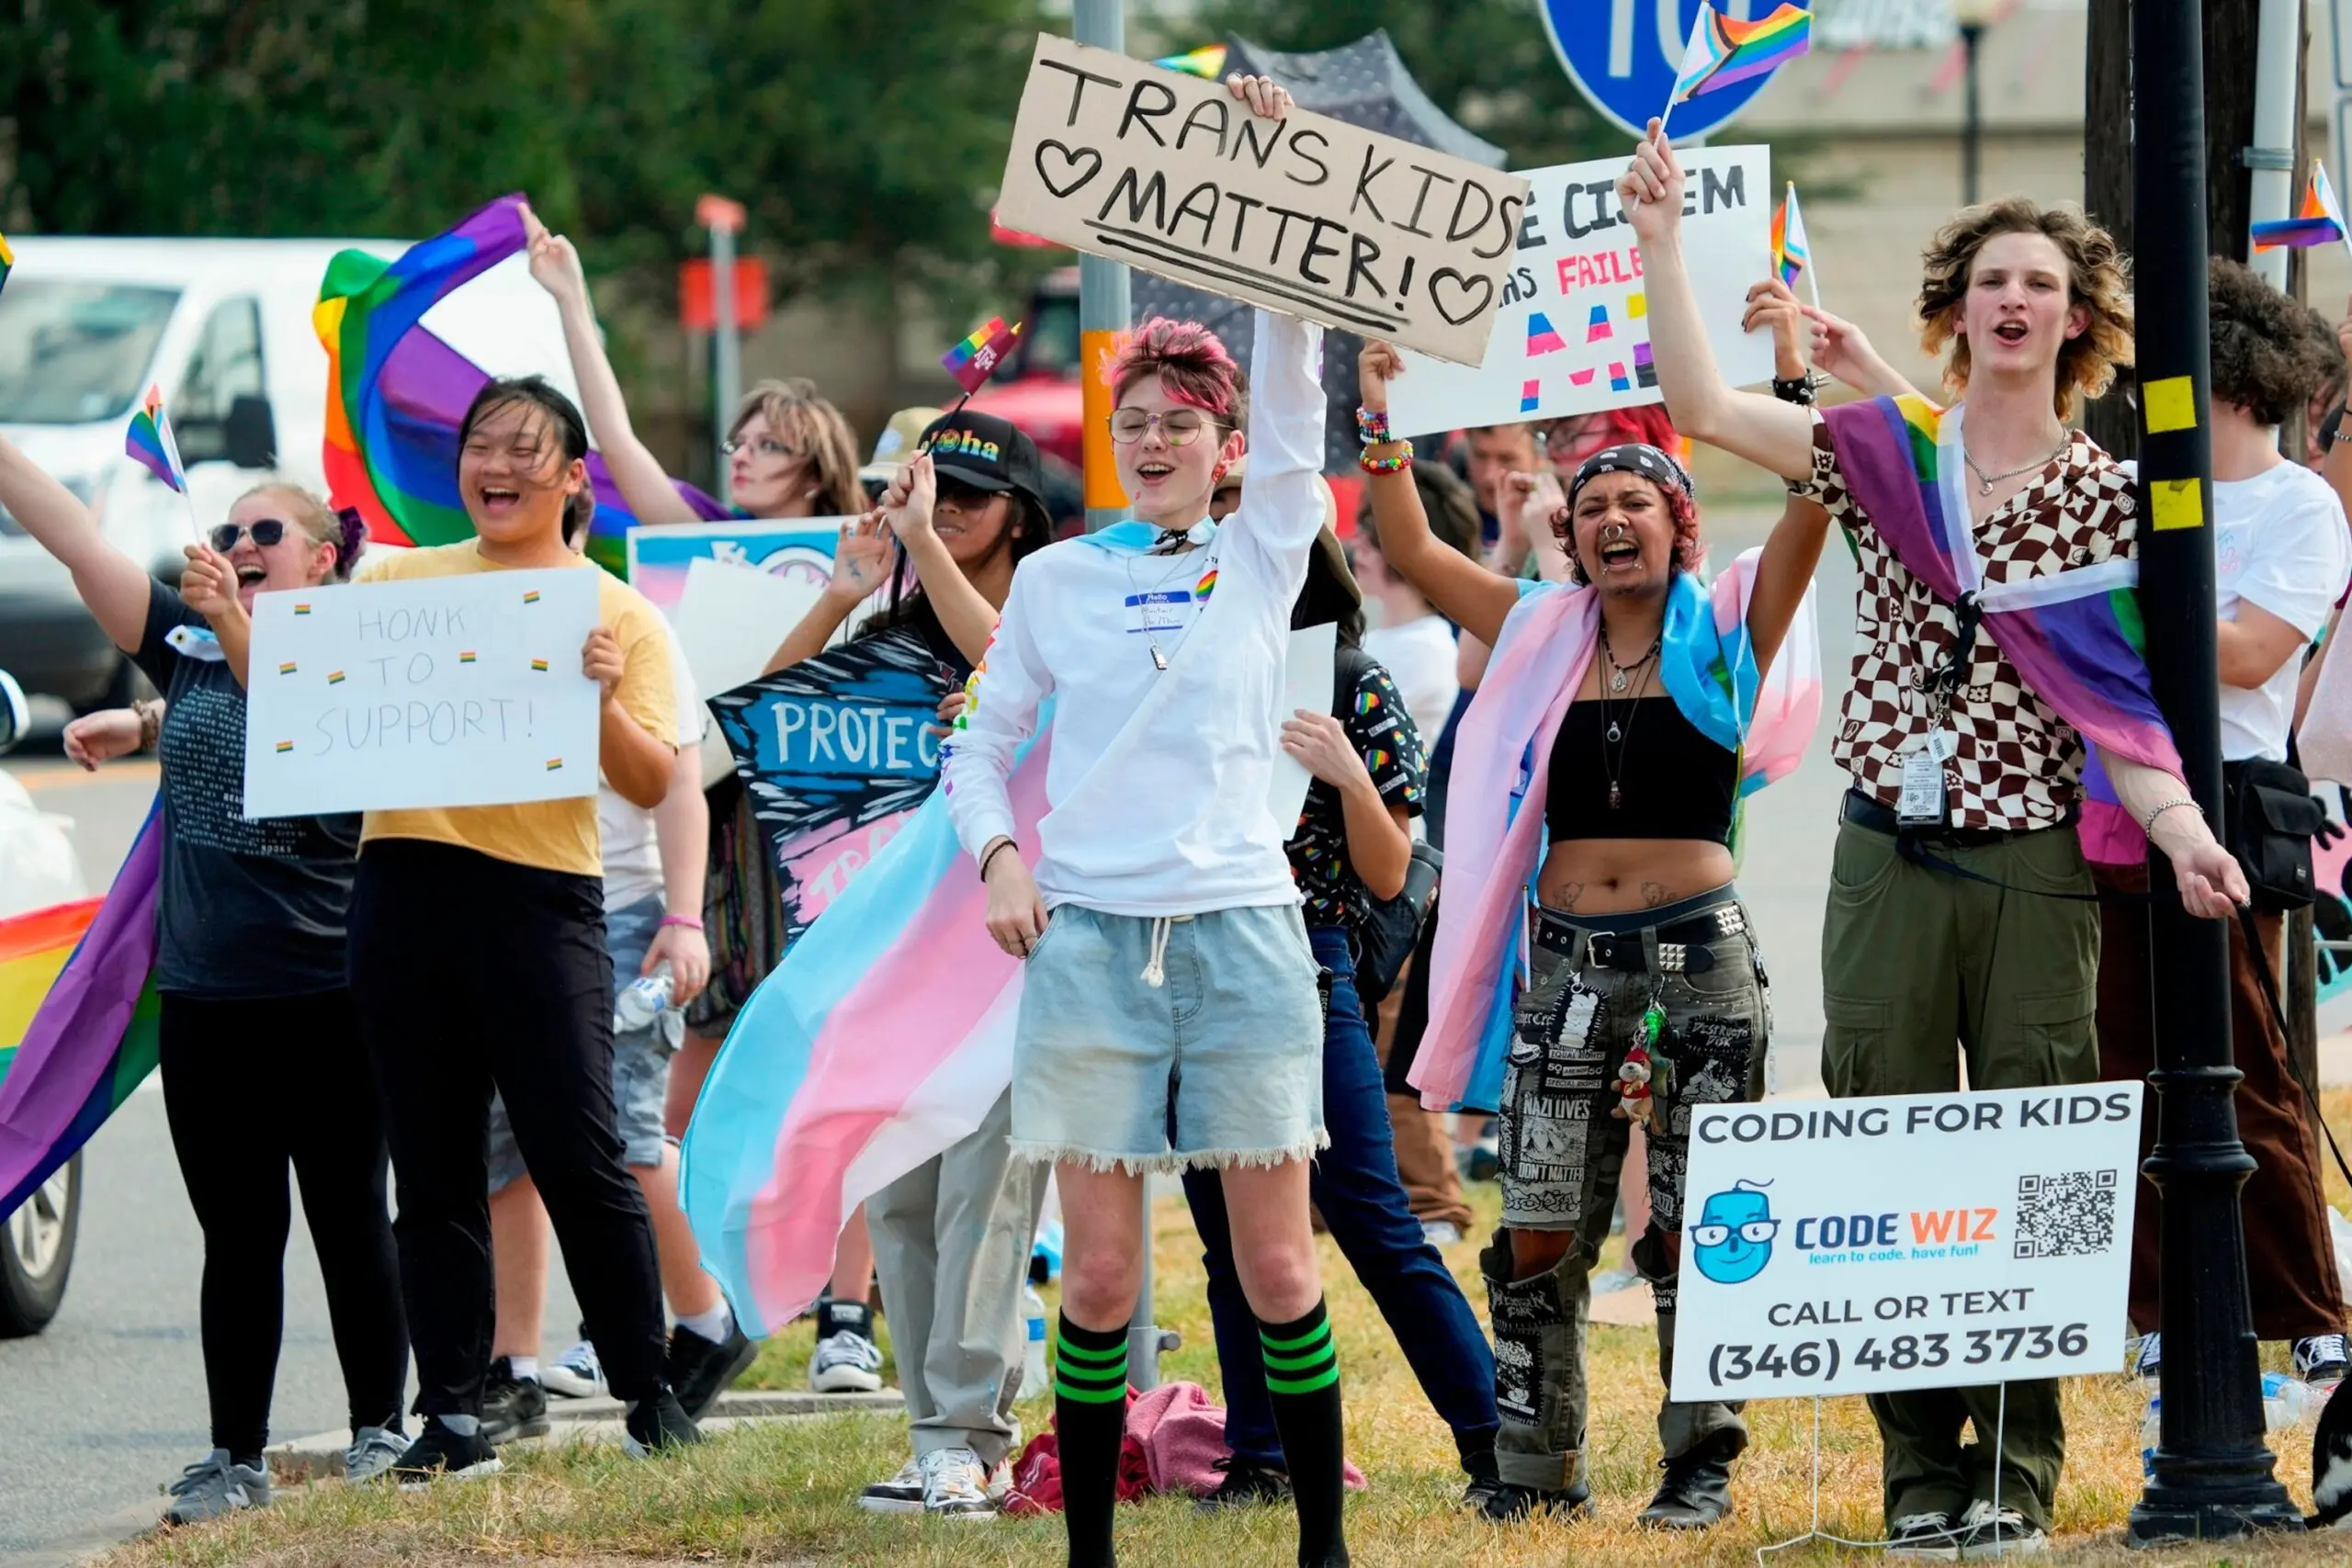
<point>1572,333</point>
<point>1307,215</point>
<point>1309,671</point>
<point>1906,1241</point>
<point>444,691</point>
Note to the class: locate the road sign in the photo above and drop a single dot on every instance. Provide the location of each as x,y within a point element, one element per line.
<point>1623,55</point>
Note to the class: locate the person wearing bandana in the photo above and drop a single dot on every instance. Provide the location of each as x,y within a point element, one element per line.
<point>1645,706</point>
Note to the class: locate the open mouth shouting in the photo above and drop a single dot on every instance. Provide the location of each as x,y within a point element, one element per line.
<point>252,574</point>
<point>500,500</point>
<point>2012,332</point>
<point>1153,471</point>
<point>1622,553</point>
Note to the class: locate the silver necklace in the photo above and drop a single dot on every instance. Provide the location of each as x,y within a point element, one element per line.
<point>1177,544</point>
<point>1620,673</point>
<point>1985,482</point>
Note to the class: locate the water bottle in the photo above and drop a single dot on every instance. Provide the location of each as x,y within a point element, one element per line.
<point>1033,1357</point>
<point>2151,1433</point>
<point>646,998</point>
<point>2286,1401</point>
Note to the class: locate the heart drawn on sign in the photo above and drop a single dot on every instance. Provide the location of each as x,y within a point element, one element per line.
<point>1070,160</point>
<point>1472,294</point>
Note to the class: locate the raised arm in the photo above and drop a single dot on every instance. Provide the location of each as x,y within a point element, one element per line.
<point>1793,549</point>
<point>1282,504</point>
<point>964,611</point>
<point>1768,432</point>
<point>110,582</point>
<point>643,482</point>
<point>861,564</point>
<point>1457,587</point>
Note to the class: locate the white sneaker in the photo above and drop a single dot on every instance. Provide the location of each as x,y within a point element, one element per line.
<point>846,1362</point>
<point>2319,1360</point>
<point>902,1493</point>
<point>1984,1532</point>
<point>955,1486</point>
<point>575,1374</point>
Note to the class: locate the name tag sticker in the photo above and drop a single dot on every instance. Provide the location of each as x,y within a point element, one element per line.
<point>1168,611</point>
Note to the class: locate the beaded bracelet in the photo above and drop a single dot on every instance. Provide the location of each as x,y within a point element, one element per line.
<point>1395,462</point>
<point>1372,425</point>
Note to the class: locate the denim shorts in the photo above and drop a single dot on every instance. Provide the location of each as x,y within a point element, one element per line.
<point>1218,1064</point>
<point>641,1058</point>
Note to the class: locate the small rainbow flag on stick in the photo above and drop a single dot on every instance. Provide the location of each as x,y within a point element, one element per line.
<point>7,260</point>
<point>2319,222</point>
<point>974,360</point>
<point>1723,53</point>
<point>149,441</point>
<point>1206,62</point>
<point>1792,253</point>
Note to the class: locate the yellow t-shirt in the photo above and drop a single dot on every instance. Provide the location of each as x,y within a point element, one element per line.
<point>553,835</point>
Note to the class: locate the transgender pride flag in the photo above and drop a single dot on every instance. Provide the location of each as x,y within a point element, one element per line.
<point>884,1037</point>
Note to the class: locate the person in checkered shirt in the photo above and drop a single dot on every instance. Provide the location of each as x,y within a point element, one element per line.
<point>1961,919</point>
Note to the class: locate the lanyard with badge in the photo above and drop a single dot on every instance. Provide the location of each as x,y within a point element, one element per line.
<point>1921,803</point>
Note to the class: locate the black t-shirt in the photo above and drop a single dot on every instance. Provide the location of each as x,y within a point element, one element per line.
<point>249,908</point>
<point>1374,718</point>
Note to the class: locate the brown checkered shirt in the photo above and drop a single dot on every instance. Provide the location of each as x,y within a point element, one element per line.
<point>2017,765</point>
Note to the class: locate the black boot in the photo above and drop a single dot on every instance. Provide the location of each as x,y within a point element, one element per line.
<point>1509,1505</point>
<point>1695,1492</point>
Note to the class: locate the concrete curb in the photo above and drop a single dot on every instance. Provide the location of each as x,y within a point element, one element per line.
<point>599,1420</point>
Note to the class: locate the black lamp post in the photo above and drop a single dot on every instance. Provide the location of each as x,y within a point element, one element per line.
<point>2211,1476</point>
<point>1973,16</point>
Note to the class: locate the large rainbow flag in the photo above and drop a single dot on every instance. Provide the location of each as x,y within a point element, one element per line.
<point>885,1036</point>
<point>2076,637</point>
<point>77,1018</point>
<point>396,394</point>
<point>1723,51</point>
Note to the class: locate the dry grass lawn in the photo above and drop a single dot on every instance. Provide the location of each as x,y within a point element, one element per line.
<point>781,1494</point>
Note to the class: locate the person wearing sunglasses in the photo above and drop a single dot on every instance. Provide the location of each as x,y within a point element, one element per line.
<point>261,1059</point>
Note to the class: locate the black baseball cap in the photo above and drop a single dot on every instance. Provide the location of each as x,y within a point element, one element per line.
<point>986,452</point>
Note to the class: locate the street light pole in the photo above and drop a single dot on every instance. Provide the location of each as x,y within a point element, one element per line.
<point>1972,133</point>
<point>2211,1476</point>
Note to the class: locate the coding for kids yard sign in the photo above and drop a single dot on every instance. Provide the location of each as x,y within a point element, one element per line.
<point>447,691</point>
<point>1910,1241</point>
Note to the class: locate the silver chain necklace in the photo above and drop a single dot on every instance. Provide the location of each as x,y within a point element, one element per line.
<point>1985,482</point>
<point>1177,545</point>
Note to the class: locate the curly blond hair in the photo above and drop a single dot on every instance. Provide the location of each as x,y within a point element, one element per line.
<point>2099,276</point>
<point>809,424</point>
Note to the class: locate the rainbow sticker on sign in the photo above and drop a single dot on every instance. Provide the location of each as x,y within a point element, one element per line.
<point>287,668</point>
<point>334,677</point>
<point>538,666</point>
<point>555,764</point>
<point>284,747</point>
<point>466,657</point>
<point>531,597</point>
<point>302,609</point>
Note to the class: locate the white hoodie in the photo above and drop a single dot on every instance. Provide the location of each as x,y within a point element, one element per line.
<point>1156,783</point>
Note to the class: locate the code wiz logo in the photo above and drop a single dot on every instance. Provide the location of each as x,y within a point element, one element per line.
<point>1897,1236</point>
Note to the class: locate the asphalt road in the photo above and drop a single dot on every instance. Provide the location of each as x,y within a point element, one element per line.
<point>105,1408</point>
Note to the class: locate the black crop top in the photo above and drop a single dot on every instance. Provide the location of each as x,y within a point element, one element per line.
<point>1673,782</point>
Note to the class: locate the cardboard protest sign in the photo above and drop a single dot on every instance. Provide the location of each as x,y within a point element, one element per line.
<point>837,752</point>
<point>1572,333</point>
<point>801,550</point>
<point>446,691</point>
<point>1901,1241</point>
<point>1308,215</point>
<point>1309,673</point>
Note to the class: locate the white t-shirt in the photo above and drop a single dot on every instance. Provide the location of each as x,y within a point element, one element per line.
<point>2280,544</point>
<point>1156,778</point>
<point>632,857</point>
<point>1420,655</point>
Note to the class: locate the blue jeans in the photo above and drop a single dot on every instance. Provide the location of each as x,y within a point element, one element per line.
<point>1355,1183</point>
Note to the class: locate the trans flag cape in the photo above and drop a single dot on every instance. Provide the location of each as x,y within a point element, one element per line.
<point>2075,636</point>
<point>1502,754</point>
<point>77,1018</point>
<point>396,394</point>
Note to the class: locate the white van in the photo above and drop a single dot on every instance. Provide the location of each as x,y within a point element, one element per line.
<point>223,327</point>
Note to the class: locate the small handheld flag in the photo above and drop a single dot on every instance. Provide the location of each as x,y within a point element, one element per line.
<point>1791,252</point>
<point>149,442</point>
<point>7,260</point>
<point>974,360</point>
<point>1208,61</point>
<point>1723,51</point>
<point>2319,221</point>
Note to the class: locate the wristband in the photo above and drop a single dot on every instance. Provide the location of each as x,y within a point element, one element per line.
<point>1395,462</point>
<point>1372,425</point>
<point>689,922</point>
<point>1798,390</point>
<point>999,848</point>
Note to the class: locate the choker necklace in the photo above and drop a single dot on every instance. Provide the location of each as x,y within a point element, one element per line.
<point>1621,673</point>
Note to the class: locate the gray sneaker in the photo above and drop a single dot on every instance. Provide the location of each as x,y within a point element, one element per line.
<point>215,1485</point>
<point>373,1452</point>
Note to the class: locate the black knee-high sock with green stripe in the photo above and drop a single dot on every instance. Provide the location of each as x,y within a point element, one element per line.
<point>1090,1419</point>
<point>1303,1377</point>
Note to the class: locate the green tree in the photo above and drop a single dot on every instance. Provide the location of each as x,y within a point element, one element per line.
<point>1486,63</point>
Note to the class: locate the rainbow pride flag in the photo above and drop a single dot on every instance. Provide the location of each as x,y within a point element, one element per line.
<point>1791,252</point>
<point>396,394</point>
<point>2319,222</point>
<point>1206,62</point>
<point>1723,51</point>
<point>77,1017</point>
<point>149,442</point>
<point>2076,637</point>
<point>974,360</point>
<point>885,1036</point>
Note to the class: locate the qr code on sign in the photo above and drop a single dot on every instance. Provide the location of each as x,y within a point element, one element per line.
<point>2071,1214</point>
